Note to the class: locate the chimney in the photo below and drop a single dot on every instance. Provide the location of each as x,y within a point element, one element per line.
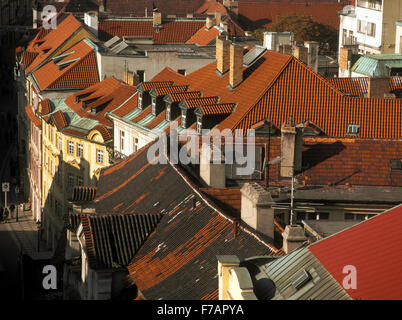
<point>378,87</point>
<point>236,65</point>
<point>293,238</point>
<point>225,264</point>
<point>222,55</point>
<point>91,20</point>
<point>218,18</point>
<point>312,47</point>
<point>256,208</point>
<point>213,174</point>
<point>101,6</point>
<point>210,22</point>
<point>291,149</point>
<point>156,18</point>
<point>300,53</point>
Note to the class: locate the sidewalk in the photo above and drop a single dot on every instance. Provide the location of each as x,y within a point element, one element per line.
<point>25,234</point>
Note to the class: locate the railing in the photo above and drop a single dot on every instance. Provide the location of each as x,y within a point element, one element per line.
<point>349,41</point>
<point>116,156</point>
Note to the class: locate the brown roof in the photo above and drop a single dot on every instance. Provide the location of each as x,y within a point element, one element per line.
<point>32,116</point>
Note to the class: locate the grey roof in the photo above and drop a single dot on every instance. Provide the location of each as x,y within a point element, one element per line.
<point>275,280</point>
<point>324,228</point>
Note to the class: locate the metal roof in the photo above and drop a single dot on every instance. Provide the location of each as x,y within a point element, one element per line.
<point>279,275</point>
<point>377,65</point>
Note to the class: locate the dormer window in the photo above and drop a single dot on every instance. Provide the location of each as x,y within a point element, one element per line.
<point>140,100</point>
<point>183,119</point>
<point>199,125</point>
<point>154,106</point>
<point>353,129</point>
<point>168,112</point>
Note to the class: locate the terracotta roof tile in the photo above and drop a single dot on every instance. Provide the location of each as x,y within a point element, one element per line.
<point>219,108</point>
<point>168,32</point>
<point>195,102</point>
<point>104,131</point>
<point>33,117</point>
<point>178,97</point>
<point>83,193</point>
<point>79,69</point>
<point>148,85</point>
<point>54,39</point>
<point>204,36</point>
<point>173,89</point>
<point>59,119</point>
<point>45,106</point>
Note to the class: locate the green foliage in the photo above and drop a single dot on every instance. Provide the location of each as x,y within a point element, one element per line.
<point>305,29</point>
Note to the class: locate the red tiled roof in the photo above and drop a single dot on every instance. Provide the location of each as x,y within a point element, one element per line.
<point>45,106</point>
<point>257,12</point>
<point>33,117</point>
<point>173,89</point>
<point>169,32</point>
<point>143,114</point>
<point>358,86</point>
<point>195,102</point>
<point>80,73</point>
<point>177,97</point>
<point>127,107</point>
<point>373,248</point>
<point>105,132</point>
<point>157,120</point>
<point>204,36</point>
<point>148,85</point>
<point>220,108</point>
<point>105,96</point>
<point>54,39</point>
<point>59,119</point>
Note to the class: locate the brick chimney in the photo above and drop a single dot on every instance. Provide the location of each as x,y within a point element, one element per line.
<point>256,208</point>
<point>156,18</point>
<point>312,61</point>
<point>378,87</point>
<point>291,149</point>
<point>236,65</point>
<point>213,174</point>
<point>222,54</point>
<point>293,238</point>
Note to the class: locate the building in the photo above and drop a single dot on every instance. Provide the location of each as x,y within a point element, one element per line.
<point>76,144</point>
<point>368,28</point>
<point>35,84</point>
<point>334,268</point>
<point>378,65</point>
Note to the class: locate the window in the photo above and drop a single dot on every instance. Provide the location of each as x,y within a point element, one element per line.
<point>80,150</point>
<point>70,181</point>
<point>154,106</point>
<point>121,140</point>
<point>182,71</point>
<point>141,75</point>
<point>70,147</point>
<point>349,216</point>
<point>140,100</point>
<point>60,143</point>
<point>183,119</point>
<point>80,181</point>
<point>199,125</point>
<point>371,29</point>
<point>323,216</point>
<point>168,112</point>
<point>396,164</point>
<point>352,129</point>
<point>300,216</point>
<point>99,156</point>
<point>135,144</point>
<point>312,216</point>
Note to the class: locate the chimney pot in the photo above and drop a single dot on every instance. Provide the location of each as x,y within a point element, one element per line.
<point>293,238</point>
<point>291,149</point>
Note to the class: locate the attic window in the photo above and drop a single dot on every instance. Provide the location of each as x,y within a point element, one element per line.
<point>140,100</point>
<point>154,106</point>
<point>395,164</point>
<point>300,279</point>
<point>353,129</point>
<point>168,112</point>
<point>183,119</point>
<point>199,125</point>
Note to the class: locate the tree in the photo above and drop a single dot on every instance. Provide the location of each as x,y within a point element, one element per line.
<point>305,28</point>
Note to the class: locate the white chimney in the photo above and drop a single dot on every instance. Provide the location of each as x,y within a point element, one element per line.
<point>213,174</point>
<point>293,238</point>
<point>256,208</point>
<point>313,47</point>
<point>91,20</point>
<point>291,149</point>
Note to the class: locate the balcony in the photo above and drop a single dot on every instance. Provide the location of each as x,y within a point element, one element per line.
<point>349,41</point>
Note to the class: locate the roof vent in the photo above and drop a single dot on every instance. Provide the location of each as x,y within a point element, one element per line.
<point>300,279</point>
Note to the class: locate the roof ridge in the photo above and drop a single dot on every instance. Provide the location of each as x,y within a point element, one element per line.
<point>286,64</point>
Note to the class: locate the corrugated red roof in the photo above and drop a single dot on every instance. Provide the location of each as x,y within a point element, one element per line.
<point>81,70</point>
<point>373,248</point>
<point>33,117</point>
<point>168,32</point>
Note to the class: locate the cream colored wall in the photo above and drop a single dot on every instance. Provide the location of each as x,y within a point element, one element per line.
<point>392,12</point>
<point>398,41</point>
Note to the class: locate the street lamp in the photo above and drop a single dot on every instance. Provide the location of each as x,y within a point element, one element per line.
<point>17,191</point>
